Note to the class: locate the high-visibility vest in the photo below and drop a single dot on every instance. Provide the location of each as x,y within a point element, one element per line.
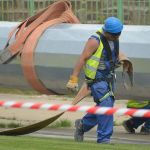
<point>93,62</point>
<point>137,104</point>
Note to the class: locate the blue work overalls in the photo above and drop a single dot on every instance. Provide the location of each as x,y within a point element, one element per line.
<point>98,90</point>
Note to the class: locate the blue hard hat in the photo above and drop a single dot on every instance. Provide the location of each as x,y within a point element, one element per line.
<point>112,25</point>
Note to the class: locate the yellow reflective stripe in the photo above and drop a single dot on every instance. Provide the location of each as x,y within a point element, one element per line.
<point>89,73</point>
<point>93,63</point>
<point>110,93</point>
<point>90,67</point>
<point>95,58</point>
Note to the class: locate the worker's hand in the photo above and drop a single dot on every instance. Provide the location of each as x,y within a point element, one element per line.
<point>72,84</point>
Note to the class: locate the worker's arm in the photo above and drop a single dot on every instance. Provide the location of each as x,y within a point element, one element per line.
<point>90,47</point>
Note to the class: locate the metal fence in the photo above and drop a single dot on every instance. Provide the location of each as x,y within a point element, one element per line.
<point>88,11</point>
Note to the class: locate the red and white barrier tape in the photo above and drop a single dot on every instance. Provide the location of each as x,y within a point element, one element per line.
<point>72,108</point>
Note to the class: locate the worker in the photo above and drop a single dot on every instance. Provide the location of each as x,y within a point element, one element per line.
<point>133,123</point>
<point>99,60</point>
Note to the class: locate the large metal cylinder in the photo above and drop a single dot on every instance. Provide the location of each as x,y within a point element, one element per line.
<point>59,48</point>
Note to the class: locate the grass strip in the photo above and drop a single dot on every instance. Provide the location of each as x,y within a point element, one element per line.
<point>36,143</point>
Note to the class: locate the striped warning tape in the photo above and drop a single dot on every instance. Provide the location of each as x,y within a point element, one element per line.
<point>72,108</point>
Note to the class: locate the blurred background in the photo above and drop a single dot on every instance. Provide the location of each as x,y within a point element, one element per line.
<point>132,12</point>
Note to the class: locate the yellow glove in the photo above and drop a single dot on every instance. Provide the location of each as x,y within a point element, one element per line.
<point>73,84</point>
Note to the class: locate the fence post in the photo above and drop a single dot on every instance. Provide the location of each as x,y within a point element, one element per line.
<point>2,11</point>
<point>120,10</point>
<point>31,7</point>
<point>148,21</point>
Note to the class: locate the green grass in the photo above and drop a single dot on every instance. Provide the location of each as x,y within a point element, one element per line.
<point>10,125</point>
<point>33,143</point>
<point>13,125</point>
<point>61,124</point>
<point>2,125</point>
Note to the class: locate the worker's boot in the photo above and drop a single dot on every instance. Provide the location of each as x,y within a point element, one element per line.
<point>79,134</point>
<point>145,130</point>
<point>128,125</point>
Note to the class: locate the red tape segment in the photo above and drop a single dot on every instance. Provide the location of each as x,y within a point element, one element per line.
<point>72,108</point>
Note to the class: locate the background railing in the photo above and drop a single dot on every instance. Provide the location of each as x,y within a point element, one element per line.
<point>135,12</point>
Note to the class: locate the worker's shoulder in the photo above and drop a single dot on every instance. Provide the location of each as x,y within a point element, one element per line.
<point>96,37</point>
